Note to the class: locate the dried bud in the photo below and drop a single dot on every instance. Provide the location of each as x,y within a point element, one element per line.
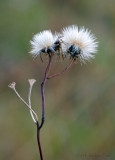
<point>12,85</point>
<point>31,81</point>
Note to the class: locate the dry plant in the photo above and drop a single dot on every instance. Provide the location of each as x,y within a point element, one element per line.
<point>71,42</point>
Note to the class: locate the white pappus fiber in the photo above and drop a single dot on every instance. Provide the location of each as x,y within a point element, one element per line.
<point>42,40</point>
<point>82,38</point>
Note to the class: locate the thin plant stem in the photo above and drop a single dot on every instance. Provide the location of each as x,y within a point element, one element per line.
<point>38,140</point>
<point>64,70</point>
<point>42,91</point>
<point>31,82</point>
<point>12,86</point>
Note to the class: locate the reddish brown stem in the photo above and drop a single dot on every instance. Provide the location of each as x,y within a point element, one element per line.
<point>38,140</point>
<point>64,70</point>
<point>42,91</point>
<point>43,98</point>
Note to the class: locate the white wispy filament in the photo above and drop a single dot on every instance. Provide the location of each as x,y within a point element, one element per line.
<point>41,42</point>
<point>81,39</point>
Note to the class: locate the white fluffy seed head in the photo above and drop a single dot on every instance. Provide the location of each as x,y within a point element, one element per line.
<point>81,38</point>
<point>42,40</point>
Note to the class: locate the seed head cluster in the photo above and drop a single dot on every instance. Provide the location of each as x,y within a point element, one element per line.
<point>72,41</point>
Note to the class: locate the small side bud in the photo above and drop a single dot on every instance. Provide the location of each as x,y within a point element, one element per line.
<point>12,85</point>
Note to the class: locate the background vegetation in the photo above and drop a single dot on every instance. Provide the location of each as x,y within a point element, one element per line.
<point>80,110</point>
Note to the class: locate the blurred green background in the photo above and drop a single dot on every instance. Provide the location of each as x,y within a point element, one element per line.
<point>80,105</point>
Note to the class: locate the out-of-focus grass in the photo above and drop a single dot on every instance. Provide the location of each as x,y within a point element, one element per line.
<point>80,105</point>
